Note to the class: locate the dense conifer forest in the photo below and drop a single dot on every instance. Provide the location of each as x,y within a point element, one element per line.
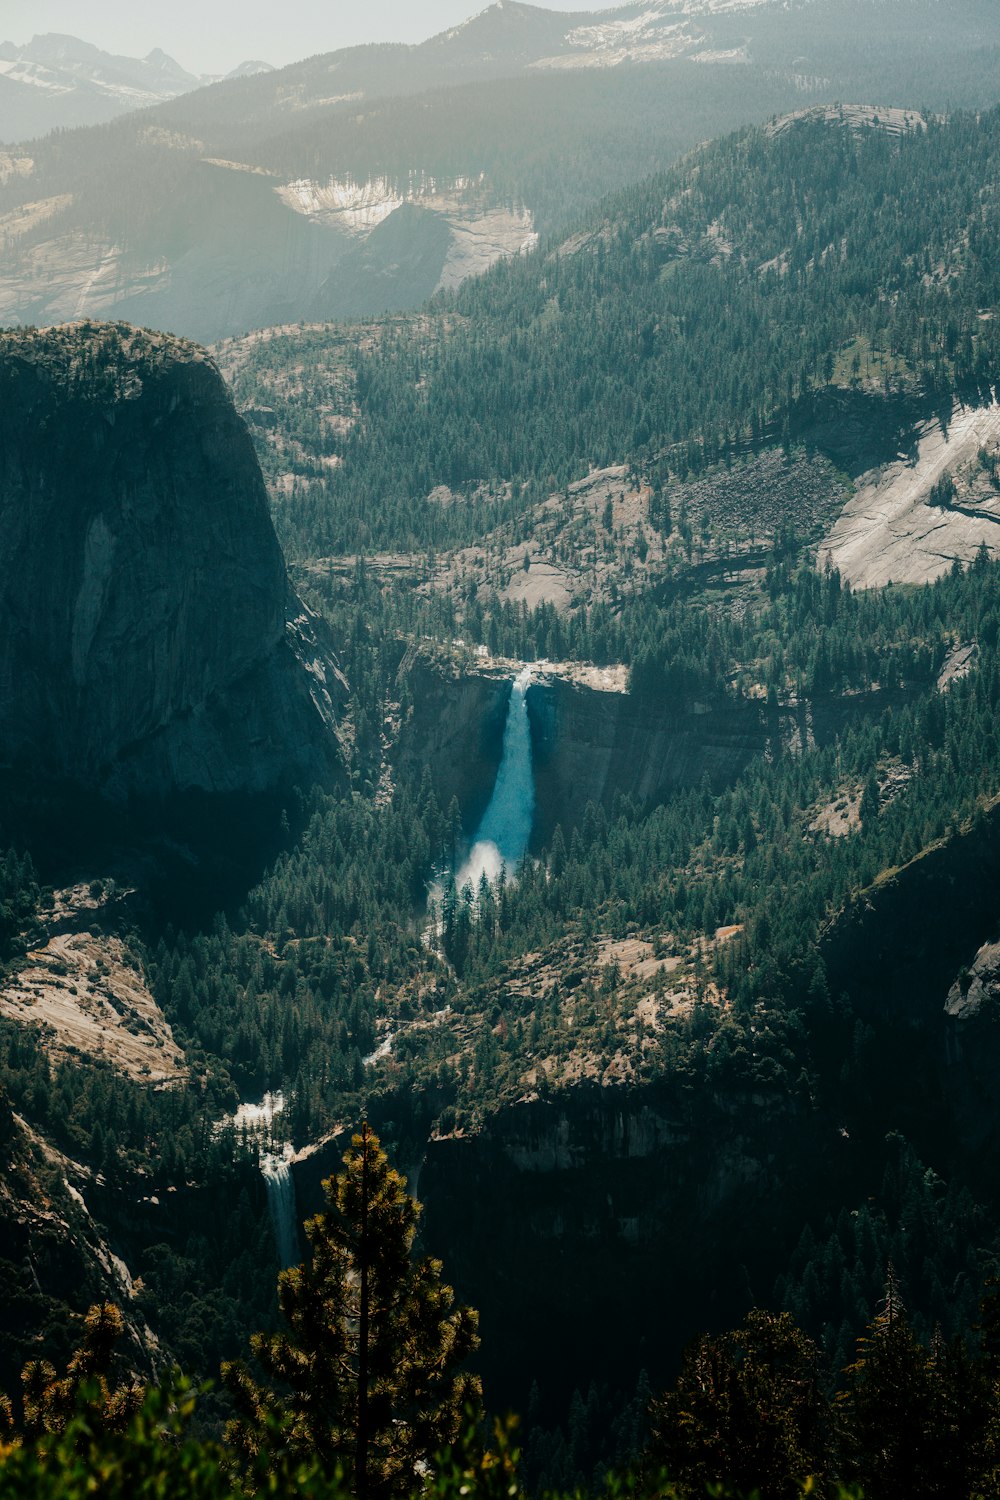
<point>706,317</point>
<point>690,319</point>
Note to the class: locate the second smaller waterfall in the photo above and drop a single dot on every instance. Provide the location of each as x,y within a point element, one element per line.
<point>277,1174</point>
<point>255,1121</point>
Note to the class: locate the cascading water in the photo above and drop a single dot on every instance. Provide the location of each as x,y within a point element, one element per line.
<point>257,1120</point>
<point>281,1204</point>
<point>502,837</point>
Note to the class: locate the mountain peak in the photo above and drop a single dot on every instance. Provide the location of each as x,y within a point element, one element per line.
<point>250,67</point>
<point>157,58</point>
<point>59,46</point>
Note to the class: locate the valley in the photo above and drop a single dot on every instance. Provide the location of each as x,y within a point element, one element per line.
<point>529,684</point>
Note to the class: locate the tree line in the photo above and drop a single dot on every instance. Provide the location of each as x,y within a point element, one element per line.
<point>365,1391</point>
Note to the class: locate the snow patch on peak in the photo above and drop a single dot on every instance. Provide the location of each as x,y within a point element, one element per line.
<point>720,7</point>
<point>34,75</point>
<point>613,33</point>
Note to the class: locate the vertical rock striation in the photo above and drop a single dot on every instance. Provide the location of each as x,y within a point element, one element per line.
<point>149,639</point>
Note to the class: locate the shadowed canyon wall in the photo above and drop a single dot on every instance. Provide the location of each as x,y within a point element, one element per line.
<point>589,745</point>
<point>599,1229</point>
<point>149,639</point>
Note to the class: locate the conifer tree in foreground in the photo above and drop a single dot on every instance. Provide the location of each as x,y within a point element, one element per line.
<point>746,1410</point>
<point>370,1361</point>
<point>914,1423</point>
<point>51,1400</point>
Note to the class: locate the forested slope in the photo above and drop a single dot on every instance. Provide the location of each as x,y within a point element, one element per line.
<point>676,978</point>
<point>692,317</point>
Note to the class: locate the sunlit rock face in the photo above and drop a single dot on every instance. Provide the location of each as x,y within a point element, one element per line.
<point>149,639</point>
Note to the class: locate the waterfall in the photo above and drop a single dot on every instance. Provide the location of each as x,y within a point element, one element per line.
<point>255,1122</point>
<point>502,837</point>
<point>281,1204</point>
<point>258,1118</point>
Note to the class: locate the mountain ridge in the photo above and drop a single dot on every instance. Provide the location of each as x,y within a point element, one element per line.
<point>262,172</point>
<point>58,80</point>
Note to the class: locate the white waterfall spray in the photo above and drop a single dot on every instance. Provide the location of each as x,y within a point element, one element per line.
<point>502,837</point>
<point>257,1120</point>
<point>281,1204</point>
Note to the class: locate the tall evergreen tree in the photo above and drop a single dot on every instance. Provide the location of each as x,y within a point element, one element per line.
<point>892,1412</point>
<point>371,1357</point>
<point>747,1409</point>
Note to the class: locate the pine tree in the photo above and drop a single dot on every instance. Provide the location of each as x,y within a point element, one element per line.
<point>747,1410</point>
<point>51,1400</point>
<point>891,1411</point>
<point>371,1356</point>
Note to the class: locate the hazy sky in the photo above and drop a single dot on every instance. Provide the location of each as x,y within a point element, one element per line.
<point>212,36</point>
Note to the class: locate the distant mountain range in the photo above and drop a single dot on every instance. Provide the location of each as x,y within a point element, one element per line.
<point>364,180</point>
<point>61,81</point>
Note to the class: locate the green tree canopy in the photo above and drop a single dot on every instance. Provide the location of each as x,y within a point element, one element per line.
<point>747,1409</point>
<point>369,1367</point>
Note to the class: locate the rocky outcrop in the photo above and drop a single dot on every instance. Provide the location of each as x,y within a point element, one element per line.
<point>56,1258</point>
<point>976,985</point>
<point>972,1054</point>
<point>149,639</point>
<point>897,946</point>
<point>894,530</point>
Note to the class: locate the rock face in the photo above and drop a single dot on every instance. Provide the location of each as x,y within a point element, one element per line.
<point>589,746</point>
<point>456,729</point>
<point>892,530</point>
<point>149,639</point>
<point>653,1210</point>
<point>977,984</point>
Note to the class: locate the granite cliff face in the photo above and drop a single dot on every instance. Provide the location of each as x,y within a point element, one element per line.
<point>591,745</point>
<point>149,639</point>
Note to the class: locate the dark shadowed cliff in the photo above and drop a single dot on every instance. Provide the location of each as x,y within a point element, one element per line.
<point>149,639</point>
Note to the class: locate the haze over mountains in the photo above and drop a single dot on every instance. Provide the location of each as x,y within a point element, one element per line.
<point>362,181</point>
<point>57,82</point>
